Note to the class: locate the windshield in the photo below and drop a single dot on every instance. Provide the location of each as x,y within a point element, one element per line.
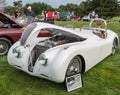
<point>27,32</point>
<point>25,20</point>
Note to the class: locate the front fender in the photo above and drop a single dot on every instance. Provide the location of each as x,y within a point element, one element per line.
<point>61,62</point>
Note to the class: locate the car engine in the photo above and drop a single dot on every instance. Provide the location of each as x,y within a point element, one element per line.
<point>59,40</point>
<point>56,40</point>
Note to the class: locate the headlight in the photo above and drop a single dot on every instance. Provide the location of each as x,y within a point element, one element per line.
<point>18,51</point>
<point>42,60</point>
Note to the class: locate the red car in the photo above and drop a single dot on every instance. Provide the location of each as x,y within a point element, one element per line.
<point>50,16</point>
<point>10,32</point>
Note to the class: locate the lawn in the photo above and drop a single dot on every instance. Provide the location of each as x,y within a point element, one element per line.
<point>103,79</point>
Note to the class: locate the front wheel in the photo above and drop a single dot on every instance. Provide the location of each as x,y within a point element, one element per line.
<point>4,46</point>
<point>74,67</point>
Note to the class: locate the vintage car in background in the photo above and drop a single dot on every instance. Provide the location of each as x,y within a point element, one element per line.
<point>67,52</point>
<point>63,16</point>
<point>11,30</point>
<point>50,16</point>
<point>86,18</point>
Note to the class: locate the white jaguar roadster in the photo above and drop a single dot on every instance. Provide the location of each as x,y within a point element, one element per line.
<point>66,52</point>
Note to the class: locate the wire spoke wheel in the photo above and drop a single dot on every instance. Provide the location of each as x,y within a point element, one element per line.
<point>4,46</point>
<point>74,67</point>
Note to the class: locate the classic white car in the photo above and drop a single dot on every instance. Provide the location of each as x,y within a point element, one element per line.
<point>67,52</point>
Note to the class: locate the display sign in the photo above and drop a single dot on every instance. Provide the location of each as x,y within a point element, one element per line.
<point>73,82</point>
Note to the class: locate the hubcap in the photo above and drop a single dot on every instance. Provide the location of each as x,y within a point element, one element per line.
<point>74,67</point>
<point>1,47</point>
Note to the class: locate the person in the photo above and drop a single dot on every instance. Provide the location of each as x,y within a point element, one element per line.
<point>73,16</point>
<point>44,13</point>
<point>68,15</point>
<point>90,15</point>
<point>72,13</point>
<point>55,15</point>
<point>96,15</point>
<point>17,13</point>
<point>30,12</point>
<point>93,14</point>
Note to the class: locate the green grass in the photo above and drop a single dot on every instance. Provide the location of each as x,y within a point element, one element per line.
<point>115,19</point>
<point>103,79</point>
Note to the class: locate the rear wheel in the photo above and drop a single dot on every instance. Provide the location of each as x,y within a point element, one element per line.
<point>114,46</point>
<point>4,45</point>
<point>74,67</point>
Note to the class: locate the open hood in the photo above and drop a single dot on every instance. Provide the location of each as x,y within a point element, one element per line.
<point>7,20</point>
<point>32,30</point>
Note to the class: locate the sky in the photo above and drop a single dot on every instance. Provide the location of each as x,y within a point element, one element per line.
<point>53,3</point>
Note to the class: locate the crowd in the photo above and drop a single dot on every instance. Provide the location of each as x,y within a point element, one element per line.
<point>93,15</point>
<point>29,12</point>
<point>54,15</point>
<point>50,15</point>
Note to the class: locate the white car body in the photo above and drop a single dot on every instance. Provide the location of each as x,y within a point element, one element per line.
<point>53,62</point>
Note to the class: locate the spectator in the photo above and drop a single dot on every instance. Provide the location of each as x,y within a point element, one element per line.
<point>90,15</point>
<point>30,12</point>
<point>68,15</point>
<point>96,15</point>
<point>44,13</point>
<point>55,15</point>
<point>72,13</point>
<point>93,14</point>
<point>17,12</point>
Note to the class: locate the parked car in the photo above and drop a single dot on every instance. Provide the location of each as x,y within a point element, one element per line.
<point>86,18</point>
<point>69,51</point>
<point>11,30</point>
<point>63,16</point>
<point>76,18</point>
<point>50,16</point>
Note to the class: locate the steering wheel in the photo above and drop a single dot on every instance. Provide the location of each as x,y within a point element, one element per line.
<point>100,32</point>
<point>99,22</point>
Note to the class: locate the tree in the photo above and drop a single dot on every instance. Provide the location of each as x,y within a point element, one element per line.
<point>3,4</point>
<point>70,7</point>
<point>9,10</point>
<point>38,7</point>
<point>17,4</point>
<point>105,8</point>
<point>85,8</point>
